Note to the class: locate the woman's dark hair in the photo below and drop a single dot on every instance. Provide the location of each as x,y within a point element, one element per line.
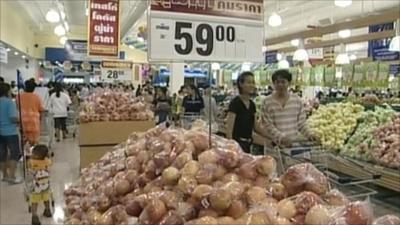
<point>242,77</point>
<point>196,92</point>
<point>282,74</point>
<point>41,151</point>
<point>4,89</point>
<point>30,86</point>
<point>58,89</point>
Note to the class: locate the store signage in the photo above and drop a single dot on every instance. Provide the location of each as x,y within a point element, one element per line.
<point>76,50</point>
<point>379,49</point>
<point>271,57</point>
<point>395,69</point>
<point>104,31</point>
<point>206,30</point>
<point>116,71</point>
<point>3,55</point>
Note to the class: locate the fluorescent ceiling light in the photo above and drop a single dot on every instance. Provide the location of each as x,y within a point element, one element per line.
<point>23,56</point>
<point>16,53</point>
<point>342,59</point>
<point>295,42</point>
<point>353,57</point>
<point>344,33</point>
<point>63,40</point>
<point>343,3</point>
<point>59,30</point>
<point>52,16</point>
<point>8,49</point>
<point>264,48</point>
<point>283,64</point>
<point>66,26</point>
<point>275,20</point>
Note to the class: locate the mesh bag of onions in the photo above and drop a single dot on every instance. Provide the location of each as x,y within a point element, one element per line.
<point>172,177</point>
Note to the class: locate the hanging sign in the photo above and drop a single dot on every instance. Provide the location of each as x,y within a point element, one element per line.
<point>104,31</point>
<point>116,71</point>
<point>379,49</point>
<point>206,30</point>
<point>271,57</point>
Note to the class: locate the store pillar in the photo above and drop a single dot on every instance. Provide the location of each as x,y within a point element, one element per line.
<point>177,78</point>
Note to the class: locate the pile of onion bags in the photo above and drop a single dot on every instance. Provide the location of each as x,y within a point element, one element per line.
<point>108,105</point>
<point>172,177</point>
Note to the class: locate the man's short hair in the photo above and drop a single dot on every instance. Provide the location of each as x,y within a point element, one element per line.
<point>282,74</point>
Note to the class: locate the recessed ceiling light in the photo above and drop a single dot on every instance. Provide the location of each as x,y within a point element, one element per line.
<point>343,3</point>
<point>16,53</point>
<point>275,20</point>
<point>52,16</point>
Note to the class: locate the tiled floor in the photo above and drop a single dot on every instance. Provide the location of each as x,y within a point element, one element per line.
<point>14,209</point>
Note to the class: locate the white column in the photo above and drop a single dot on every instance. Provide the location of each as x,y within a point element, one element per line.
<point>177,78</point>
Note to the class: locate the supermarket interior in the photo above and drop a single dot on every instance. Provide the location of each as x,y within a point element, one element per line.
<point>200,112</point>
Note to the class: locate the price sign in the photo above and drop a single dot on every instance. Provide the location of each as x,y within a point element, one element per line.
<point>204,30</point>
<point>112,71</point>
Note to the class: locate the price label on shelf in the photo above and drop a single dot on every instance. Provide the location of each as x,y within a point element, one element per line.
<point>204,30</point>
<point>112,71</point>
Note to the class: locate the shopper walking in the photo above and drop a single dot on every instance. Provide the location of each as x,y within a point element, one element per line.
<point>283,113</point>
<point>31,111</point>
<point>9,141</point>
<point>241,119</point>
<point>162,105</point>
<point>193,103</point>
<point>59,102</point>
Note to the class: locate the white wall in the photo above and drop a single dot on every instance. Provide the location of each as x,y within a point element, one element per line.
<point>9,70</point>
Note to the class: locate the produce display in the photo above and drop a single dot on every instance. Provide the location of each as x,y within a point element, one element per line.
<point>333,123</point>
<point>108,105</point>
<point>386,144</point>
<point>172,177</point>
<point>359,144</point>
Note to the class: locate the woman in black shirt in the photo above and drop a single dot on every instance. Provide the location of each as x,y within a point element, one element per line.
<point>241,119</point>
<point>193,103</point>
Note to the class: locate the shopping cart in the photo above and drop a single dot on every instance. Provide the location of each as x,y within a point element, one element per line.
<point>327,162</point>
<point>72,122</point>
<point>47,130</point>
<point>186,120</point>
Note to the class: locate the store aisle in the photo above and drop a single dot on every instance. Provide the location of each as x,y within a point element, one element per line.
<point>14,208</point>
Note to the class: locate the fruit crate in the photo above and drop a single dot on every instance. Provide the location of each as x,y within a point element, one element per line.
<point>354,186</point>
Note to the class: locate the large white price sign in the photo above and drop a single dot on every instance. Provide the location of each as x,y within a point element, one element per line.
<point>113,71</point>
<point>206,30</point>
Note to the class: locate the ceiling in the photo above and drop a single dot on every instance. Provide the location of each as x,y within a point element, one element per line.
<point>296,14</point>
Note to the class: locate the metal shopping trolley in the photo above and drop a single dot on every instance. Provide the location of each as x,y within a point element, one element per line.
<point>330,164</point>
<point>185,121</point>
<point>72,122</point>
<point>47,130</point>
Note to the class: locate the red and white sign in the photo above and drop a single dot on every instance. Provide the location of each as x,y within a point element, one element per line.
<point>206,30</point>
<point>104,30</point>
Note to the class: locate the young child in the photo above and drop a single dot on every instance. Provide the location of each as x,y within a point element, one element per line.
<point>39,171</point>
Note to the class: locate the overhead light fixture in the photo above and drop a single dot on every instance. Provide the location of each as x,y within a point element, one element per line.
<point>246,66</point>
<point>343,58</point>
<point>62,13</point>
<point>279,56</point>
<point>353,57</point>
<point>63,40</point>
<point>8,49</point>
<point>283,64</point>
<point>59,30</point>
<point>275,20</point>
<point>344,33</point>
<point>215,66</point>
<point>23,56</point>
<point>300,54</point>
<point>16,53</point>
<point>87,12</point>
<point>395,43</point>
<point>52,16</point>
<point>140,39</point>
<point>295,42</point>
<point>343,3</point>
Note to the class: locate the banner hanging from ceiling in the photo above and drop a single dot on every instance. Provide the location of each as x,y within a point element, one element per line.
<point>206,30</point>
<point>104,29</point>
